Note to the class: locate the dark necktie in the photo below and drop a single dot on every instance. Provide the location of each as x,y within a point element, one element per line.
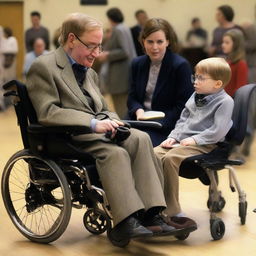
<point>200,100</point>
<point>79,72</point>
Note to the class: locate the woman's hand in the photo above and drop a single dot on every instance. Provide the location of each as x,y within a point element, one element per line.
<point>168,143</point>
<point>188,142</point>
<point>139,113</point>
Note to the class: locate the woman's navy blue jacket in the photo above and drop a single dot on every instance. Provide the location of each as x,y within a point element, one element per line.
<point>173,88</point>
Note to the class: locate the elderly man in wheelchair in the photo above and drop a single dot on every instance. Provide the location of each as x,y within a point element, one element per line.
<point>68,133</point>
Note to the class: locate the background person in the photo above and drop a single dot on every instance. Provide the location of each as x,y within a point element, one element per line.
<point>233,47</point>
<point>224,16</point>
<point>118,52</point>
<point>141,17</point>
<point>38,49</point>
<point>37,30</point>
<point>9,50</point>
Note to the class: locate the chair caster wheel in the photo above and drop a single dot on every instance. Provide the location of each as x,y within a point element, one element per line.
<point>118,243</point>
<point>217,229</point>
<point>242,211</point>
<point>96,221</point>
<point>218,206</point>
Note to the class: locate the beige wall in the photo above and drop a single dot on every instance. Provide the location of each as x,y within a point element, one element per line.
<point>177,12</point>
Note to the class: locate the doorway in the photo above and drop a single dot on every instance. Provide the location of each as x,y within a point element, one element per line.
<point>11,15</point>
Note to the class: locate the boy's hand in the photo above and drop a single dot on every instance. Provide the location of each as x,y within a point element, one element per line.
<point>168,143</point>
<point>188,142</point>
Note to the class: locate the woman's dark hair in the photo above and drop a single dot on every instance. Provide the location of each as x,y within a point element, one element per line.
<point>115,15</point>
<point>227,11</point>
<point>156,24</point>
<point>8,32</point>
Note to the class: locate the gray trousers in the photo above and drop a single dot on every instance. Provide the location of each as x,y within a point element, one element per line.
<point>130,174</point>
<point>171,160</point>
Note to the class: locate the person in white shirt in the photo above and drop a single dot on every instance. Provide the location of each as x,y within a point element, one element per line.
<point>38,49</point>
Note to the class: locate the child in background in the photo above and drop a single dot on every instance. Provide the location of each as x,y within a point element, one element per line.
<point>205,120</point>
<point>233,47</point>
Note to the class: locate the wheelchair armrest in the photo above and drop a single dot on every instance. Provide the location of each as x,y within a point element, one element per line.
<point>217,164</point>
<point>143,124</point>
<point>75,130</point>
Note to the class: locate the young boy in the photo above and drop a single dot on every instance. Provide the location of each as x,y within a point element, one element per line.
<point>204,121</point>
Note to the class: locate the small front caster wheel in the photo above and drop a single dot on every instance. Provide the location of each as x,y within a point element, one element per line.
<point>217,229</point>
<point>96,221</point>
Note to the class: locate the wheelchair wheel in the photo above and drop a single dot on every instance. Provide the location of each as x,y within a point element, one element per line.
<point>96,221</point>
<point>36,196</point>
<point>242,212</point>
<point>217,229</point>
<point>218,206</point>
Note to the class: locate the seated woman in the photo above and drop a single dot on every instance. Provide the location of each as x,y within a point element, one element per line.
<point>160,80</point>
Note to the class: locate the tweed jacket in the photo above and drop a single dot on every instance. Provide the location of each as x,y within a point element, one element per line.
<point>56,96</point>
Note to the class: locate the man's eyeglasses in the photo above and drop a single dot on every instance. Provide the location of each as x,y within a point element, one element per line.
<point>199,78</point>
<point>91,48</point>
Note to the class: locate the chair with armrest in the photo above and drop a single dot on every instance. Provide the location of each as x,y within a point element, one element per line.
<point>42,182</point>
<point>206,166</point>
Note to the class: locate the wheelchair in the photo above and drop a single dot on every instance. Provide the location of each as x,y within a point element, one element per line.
<point>42,182</point>
<point>206,166</point>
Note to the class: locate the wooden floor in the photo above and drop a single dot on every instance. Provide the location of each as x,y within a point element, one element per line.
<point>238,240</point>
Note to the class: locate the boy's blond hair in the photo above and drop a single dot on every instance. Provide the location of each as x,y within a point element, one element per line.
<point>77,23</point>
<point>217,68</point>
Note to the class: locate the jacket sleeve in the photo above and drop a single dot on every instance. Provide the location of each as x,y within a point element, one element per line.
<point>184,91</point>
<point>183,117</point>
<point>133,102</point>
<point>119,52</point>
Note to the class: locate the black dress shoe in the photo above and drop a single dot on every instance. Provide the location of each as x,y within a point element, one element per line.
<point>129,228</point>
<point>159,227</point>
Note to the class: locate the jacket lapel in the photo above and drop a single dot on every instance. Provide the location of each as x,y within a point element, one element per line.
<point>144,76</point>
<point>69,77</point>
<point>88,86</point>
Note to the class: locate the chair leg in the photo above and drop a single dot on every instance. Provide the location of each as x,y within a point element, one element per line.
<point>241,194</point>
<point>234,182</point>
<point>217,226</point>
<point>213,192</point>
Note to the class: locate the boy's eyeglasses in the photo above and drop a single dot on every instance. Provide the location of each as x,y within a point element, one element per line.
<point>91,48</point>
<point>199,78</point>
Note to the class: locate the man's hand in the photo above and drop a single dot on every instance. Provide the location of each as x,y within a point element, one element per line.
<point>188,142</point>
<point>103,126</point>
<point>168,143</point>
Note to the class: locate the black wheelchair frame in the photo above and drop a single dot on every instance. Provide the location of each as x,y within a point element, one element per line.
<point>42,182</point>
